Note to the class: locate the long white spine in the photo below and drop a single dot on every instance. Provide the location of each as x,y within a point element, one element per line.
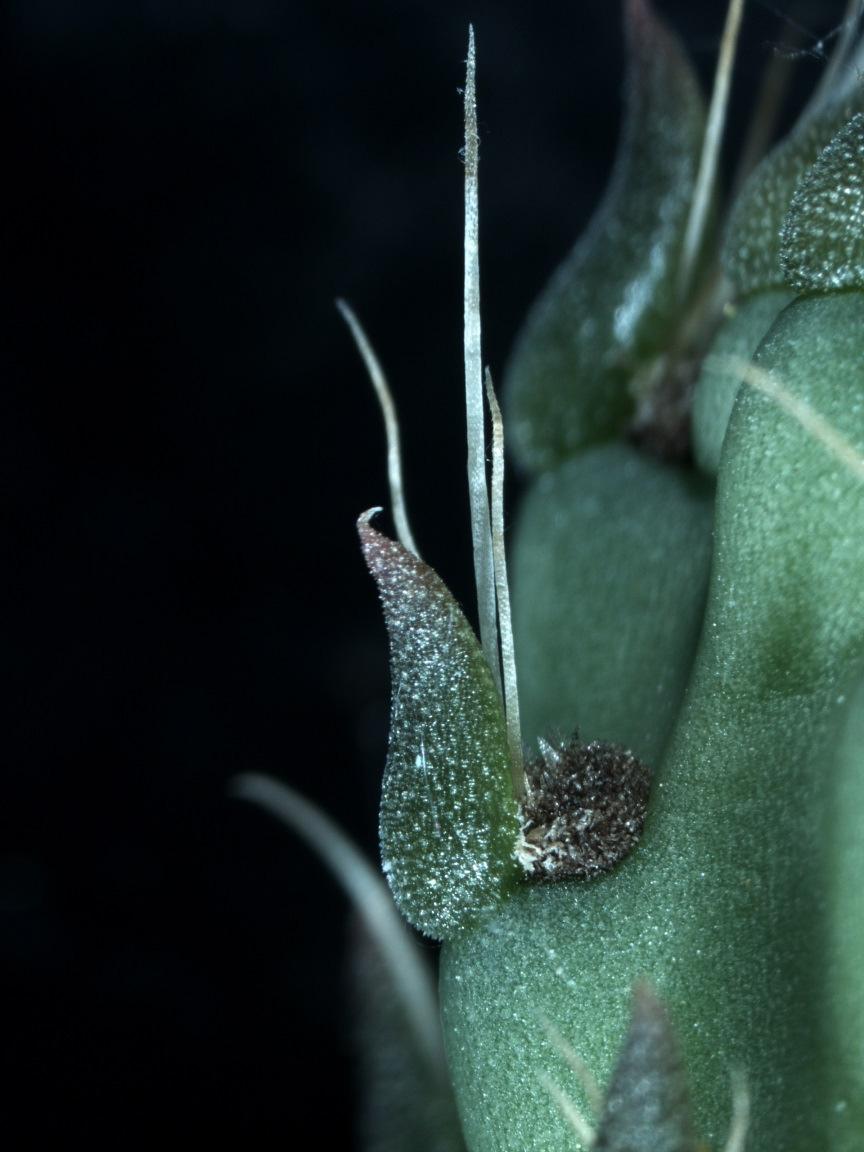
<point>710,157</point>
<point>481,532</point>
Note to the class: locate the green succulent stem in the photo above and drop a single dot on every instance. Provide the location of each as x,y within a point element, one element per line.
<point>704,617</point>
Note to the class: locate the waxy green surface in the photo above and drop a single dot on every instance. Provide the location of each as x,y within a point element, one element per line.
<point>844,1025</point>
<point>725,905</point>
<point>618,546</point>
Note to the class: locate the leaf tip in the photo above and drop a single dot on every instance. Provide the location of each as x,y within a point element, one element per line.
<point>368,535</point>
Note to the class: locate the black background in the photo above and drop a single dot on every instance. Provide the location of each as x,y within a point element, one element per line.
<point>186,438</point>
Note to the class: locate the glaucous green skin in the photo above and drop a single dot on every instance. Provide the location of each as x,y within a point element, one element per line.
<point>609,309</point>
<point>619,546</point>
<point>844,1044</point>
<point>723,906</point>
<point>714,395</point>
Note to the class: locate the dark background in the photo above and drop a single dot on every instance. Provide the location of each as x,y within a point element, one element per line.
<point>186,438</point>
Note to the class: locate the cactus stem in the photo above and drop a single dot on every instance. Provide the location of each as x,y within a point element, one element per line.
<point>391,426</point>
<point>708,161</point>
<point>502,590</point>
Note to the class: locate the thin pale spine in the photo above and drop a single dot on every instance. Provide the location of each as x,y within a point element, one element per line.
<point>481,533</point>
<point>772,93</point>
<point>736,1141</point>
<point>809,419</point>
<point>502,589</point>
<point>391,426</point>
<point>367,891</point>
<point>577,1065</point>
<point>709,159</point>
<point>584,1132</point>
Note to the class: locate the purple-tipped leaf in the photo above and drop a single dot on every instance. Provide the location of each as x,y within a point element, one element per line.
<point>448,816</point>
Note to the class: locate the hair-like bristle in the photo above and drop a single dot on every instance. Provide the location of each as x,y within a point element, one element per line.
<point>481,532</point>
<point>708,161</point>
<point>809,419</point>
<point>391,425</point>
<point>367,891</point>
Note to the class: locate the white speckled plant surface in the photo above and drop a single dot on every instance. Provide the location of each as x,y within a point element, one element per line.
<point>652,930</point>
<point>740,908</point>
<point>721,906</point>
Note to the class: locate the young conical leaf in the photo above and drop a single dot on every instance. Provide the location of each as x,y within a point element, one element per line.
<point>448,816</point>
<point>751,250</point>
<point>822,247</point>
<point>647,1105</point>
<point>609,308</point>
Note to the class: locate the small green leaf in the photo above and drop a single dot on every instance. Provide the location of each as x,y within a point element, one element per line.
<point>751,251</point>
<point>449,821</point>
<point>822,246</point>
<point>609,309</point>
<point>647,1105</point>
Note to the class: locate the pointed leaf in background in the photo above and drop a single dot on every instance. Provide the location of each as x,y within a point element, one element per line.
<point>609,309</point>
<point>407,1102</point>
<point>647,1105</point>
